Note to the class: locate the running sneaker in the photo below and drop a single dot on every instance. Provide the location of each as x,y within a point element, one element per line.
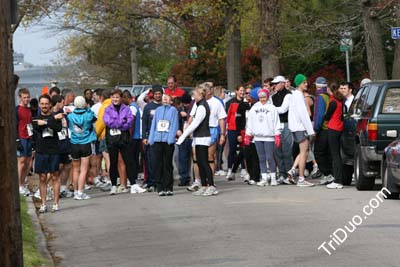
<point>220,173</point>
<point>169,193</point>
<point>106,188</point>
<point>81,196</point>
<point>243,172</point>
<point>37,194</point>
<point>55,207</point>
<point>317,174</point>
<point>274,182</point>
<point>136,189</point>
<point>246,178</point>
<point>263,182</point>
<point>24,191</point>
<point>200,191</point>
<point>211,191</point>
<point>98,182</point>
<point>251,182</point>
<point>162,194</point>
<point>334,185</point>
<point>122,189</point>
<point>327,180</point>
<point>304,183</point>
<point>113,190</point>
<point>87,187</point>
<point>230,176</point>
<point>194,187</point>
<point>150,189</point>
<point>43,208</point>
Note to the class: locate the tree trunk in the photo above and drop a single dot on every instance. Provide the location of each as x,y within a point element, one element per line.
<point>134,65</point>
<point>10,221</point>
<point>233,48</point>
<point>269,43</point>
<point>396,60</point>
<point>373,41</point>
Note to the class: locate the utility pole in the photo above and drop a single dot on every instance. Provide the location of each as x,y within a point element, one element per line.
<point>10,221</point>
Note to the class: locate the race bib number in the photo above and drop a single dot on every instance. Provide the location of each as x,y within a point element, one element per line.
<point>163,126</point>
<point>47,132</point>
<point>62,135</point>
<point>29,128</point>
<point>115,132</point>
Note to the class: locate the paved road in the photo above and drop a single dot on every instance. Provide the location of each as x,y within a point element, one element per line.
<point>243,226</point>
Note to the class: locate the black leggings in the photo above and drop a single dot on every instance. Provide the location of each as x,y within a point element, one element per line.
<point>205,171</point>
<point>334,145</point>
<point>126,153</point>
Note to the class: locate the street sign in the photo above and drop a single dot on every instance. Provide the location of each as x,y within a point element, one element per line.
<point>395,32</point>
<point>344,48</point>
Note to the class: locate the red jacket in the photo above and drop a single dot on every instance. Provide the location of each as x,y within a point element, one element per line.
<point>232,106</point>
<point>335,111</point>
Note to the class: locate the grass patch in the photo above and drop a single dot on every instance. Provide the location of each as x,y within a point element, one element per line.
<point>32,257</point>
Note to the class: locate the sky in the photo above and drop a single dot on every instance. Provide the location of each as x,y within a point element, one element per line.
<point>37,44</point>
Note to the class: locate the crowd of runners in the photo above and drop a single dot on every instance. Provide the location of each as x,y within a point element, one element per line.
<point>275,133</point>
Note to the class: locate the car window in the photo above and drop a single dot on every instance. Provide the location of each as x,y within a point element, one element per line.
<point>391,104</point>
<point>358,101</point>
<point>369,102</point>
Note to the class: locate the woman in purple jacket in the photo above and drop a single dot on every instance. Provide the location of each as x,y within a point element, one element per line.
<point>119,119</point>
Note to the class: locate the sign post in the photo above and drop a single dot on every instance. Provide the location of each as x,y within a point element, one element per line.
<point>395,33</point>
<point>346,43</point>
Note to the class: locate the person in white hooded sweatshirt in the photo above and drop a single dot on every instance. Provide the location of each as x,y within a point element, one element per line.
<point>263,125</point>
<point>301,127</point>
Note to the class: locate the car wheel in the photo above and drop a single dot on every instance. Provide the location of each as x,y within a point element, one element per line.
<point>386,181</point>
<point>347,174</point>
<point>362,182</point>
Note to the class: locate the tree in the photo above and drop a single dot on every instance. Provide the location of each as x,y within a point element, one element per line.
<point>10,222</point>
<point>269,37</point>
<point>373,40</point>
<point>233,46</point>
<point>396,60</point>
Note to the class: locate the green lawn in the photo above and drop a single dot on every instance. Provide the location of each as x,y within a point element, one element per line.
<point>32,257</point>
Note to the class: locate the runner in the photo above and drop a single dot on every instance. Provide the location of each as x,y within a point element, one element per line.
<point>45,128</point>
<point>300,125</point>
<point>24,138</point>
<point>80,124</point>
<point>162,136</point>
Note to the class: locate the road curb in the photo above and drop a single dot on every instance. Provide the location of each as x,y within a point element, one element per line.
<point>40,237</point>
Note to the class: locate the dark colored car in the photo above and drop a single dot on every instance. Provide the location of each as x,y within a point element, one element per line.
<point>390,170</point>
<point>373,115</point>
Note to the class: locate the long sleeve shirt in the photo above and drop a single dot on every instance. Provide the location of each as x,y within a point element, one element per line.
<point>298,118</point>
<point>164,126</point>
<point>200,115</point>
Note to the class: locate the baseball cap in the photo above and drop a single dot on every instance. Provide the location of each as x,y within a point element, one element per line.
<point>279,79</point>
<point>321,81</point>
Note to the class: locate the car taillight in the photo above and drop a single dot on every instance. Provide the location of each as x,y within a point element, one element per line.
<point>372,131</point>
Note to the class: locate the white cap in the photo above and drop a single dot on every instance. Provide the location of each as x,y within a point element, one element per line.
<point>279,79</point>
<point>80,102</point>
<point>365,81</point>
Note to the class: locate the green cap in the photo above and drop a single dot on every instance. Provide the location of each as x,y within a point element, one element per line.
<point>299,79</point>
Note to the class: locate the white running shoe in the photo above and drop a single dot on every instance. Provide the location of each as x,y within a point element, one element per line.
<point>87,187</point>
<point>122,189</point>
<point>194,187</point>
<point>55,207</point>
<point>24,191</point>
<point>37,194</point>
<point>81,196</point>
<point>43,208</point>
<point>251,182</point>
<point>230,176</point>
<point>304,183</point>
<point>334,185</point>
<point>263,182</point>
<point>243,172</point>
<point>200,192</point>
<point>273,181</point>
<point>136,189</point>
<point>246,178</point>
<point>326,180</point>
<point>220,173</point>
<point>113,190</point>
<point>211,191</point>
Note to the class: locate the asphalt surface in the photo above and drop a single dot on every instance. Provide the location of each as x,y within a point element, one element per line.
<point>242,226</point>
